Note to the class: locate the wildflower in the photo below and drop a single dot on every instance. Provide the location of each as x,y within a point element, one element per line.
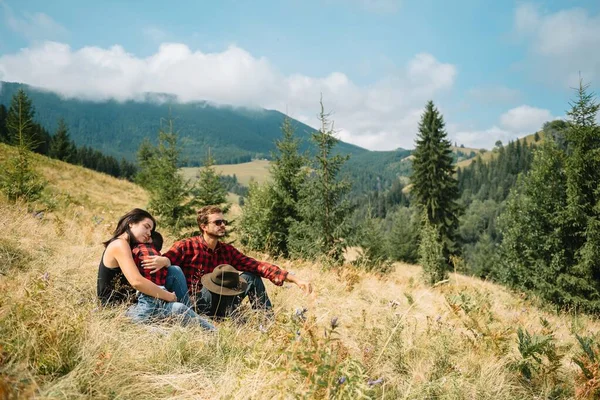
<point>300,313</point>
<point>375,382</point>
<point>341,380</point>
<point>45,277</point>
<point>334,322</point>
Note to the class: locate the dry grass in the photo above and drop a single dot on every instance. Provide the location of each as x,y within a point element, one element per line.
<point>414,341</point>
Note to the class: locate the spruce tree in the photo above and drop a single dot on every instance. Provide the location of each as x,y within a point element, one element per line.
<point>271,208</point>
<point>434,186</point>
<point>3,131</point>
<point>20,180</point>
<point>209,190</point>
<point>323,209</point>
<point>551,226</point>
<point>61,146</point>
<point>170,193</point>
<point>19,120</point>
<point>289,174</point>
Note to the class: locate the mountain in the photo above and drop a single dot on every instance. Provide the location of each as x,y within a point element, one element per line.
<point>234,134</point>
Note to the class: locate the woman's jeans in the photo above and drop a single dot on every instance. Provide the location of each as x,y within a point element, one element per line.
<point>152,309</point>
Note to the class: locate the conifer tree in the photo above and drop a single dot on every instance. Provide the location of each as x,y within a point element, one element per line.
<point>61,146</point>
<point>19,120</point>
<point>169,191</point>
<point>3,131</point>
<point>434,185</point>
<point>323,209</point>
<point>288,174</point>
<point>209,190</point>
<point>20,180</point>
<point>551,226</point>
<point>271,208</point>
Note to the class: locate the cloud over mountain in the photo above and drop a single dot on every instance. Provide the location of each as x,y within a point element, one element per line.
<point>382,115</point>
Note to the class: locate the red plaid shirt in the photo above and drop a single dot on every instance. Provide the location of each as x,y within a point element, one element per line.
<point>142,251</point>
<point>196,259</point>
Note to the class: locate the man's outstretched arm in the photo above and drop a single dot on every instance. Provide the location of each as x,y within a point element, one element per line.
<point>305,285</point>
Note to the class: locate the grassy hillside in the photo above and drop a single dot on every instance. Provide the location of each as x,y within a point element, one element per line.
<point>489,155</point>
<point>394,337</point>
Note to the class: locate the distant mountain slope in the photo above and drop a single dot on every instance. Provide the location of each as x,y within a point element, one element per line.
<point>487,156</point>
<point>234,134</point>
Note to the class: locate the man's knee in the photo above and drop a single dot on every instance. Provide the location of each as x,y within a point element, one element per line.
<point>252,279</point>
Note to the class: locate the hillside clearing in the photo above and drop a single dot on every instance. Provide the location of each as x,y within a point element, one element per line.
<point>454,341</point>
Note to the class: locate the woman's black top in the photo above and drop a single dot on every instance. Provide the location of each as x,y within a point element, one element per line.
<point>112,286</point>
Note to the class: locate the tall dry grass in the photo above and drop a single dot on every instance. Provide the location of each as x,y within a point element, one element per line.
<point>359,335</point>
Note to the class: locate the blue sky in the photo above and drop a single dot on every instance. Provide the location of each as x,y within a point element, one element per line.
<point>497,70</point>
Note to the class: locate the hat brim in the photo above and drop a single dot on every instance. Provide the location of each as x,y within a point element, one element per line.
<point>222,290</point>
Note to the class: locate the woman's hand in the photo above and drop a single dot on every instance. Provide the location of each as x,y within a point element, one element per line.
<point>172,297</point>
<point>155,263</point>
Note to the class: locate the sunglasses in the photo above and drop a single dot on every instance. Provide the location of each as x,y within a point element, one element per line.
<point>219,222</point>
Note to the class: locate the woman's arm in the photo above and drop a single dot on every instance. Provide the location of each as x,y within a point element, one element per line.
<point>120,250</point>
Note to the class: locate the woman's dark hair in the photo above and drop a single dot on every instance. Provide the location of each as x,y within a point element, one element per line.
<point>132,217</point>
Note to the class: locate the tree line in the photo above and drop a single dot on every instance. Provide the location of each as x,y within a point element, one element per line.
<point>20,115</point>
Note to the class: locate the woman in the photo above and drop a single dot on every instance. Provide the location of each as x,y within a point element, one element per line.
<point>118,274</point>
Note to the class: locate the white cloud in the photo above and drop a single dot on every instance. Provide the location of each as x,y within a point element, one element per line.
<point>515,123</point>
<point>36,26</point>
<point>561,44</point>
<point>483,139</point>
<point>383,115</point>
<point>525,119</point>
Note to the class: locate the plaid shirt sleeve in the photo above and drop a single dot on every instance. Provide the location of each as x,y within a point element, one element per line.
<point>268,271</point>
<point>181,253</point>
<point>142,251</point>
<point>176,253</point>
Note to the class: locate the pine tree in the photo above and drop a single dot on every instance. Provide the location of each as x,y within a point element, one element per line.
<point>170,194</point>
<point>19,120</point>
<point>271,208</point>
<point>3,131</point>
<point>20,180</point>
<point>209,190</point>
<point>257,223</point>
<point>434,185</point>
<point>403,240</point>
<point>61,146</point>
<point>323,209</point>
<point>551,225</point>
<point>288,174</point>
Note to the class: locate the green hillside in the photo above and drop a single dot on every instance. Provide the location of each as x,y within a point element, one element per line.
<point>234,134</point>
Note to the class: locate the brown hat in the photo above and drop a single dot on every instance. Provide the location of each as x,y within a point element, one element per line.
<point>224,280</point>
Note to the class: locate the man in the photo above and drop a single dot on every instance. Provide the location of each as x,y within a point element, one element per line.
<point>200,255</point>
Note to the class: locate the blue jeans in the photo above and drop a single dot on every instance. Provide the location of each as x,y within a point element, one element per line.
<point>151,309</point>
<point>213,305</point>
<point>176,283</point>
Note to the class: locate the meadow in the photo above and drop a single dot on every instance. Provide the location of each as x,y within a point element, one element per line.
<point>256,170</point>
<point>360,335</point>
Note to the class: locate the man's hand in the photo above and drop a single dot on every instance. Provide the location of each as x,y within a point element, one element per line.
<point>155,263</point>
<point>302,284</point>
